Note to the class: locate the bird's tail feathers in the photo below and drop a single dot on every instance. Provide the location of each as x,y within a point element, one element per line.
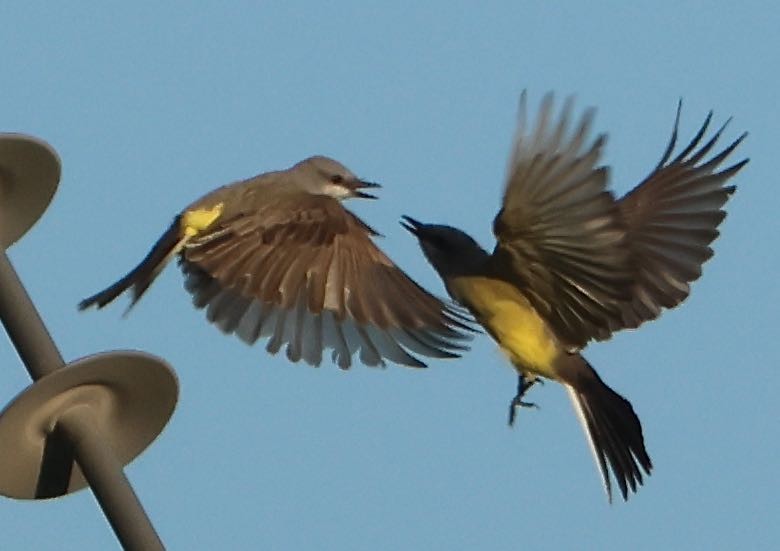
<point>140,277</point>
<point>613,429</point>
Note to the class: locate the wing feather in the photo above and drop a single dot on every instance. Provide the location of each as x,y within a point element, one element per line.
<point>303,270</point>
<point>672,217</point>
<point>559,232</point>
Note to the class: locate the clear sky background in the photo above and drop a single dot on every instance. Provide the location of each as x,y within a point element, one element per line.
<point>150,105</point>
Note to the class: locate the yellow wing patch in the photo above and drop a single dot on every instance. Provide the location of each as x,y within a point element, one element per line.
<point>195,221</point>
<point>509,317</point>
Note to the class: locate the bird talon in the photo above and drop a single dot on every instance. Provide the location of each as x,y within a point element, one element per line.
<point>523,385</point>
<point>514,405</point>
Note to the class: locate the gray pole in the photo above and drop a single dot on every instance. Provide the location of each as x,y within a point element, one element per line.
<point>104,472</point>
<point>23,324</point>
<point>98,463</point>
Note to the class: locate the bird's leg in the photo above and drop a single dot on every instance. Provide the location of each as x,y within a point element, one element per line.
<point>523,384</point>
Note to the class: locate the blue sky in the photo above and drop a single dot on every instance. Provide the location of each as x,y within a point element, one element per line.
<point>150,106</point>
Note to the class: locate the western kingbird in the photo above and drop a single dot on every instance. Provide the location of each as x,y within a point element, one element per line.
<point>573,264</point>
<point>278,256</point>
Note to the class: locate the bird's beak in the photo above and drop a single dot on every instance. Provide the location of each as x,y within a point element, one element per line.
<point>362,184</point>
<point>411,225</point>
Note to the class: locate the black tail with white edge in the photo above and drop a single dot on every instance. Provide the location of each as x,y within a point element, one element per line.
<point>140,277</point>
<point>613,429</point>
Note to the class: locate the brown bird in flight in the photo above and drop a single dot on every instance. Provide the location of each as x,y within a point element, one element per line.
<point>278,256</point>
<point>574,264</point>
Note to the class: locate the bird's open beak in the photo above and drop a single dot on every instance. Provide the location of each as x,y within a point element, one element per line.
<point>411,225</point>
<point>362,184</point>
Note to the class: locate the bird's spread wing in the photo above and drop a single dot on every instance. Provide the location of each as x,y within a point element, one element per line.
<point>304,271</point>
<point>560,237</point>
<point>671,217</point>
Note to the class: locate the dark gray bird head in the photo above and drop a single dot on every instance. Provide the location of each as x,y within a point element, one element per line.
<point>324,176</point>
<point>449,250</point>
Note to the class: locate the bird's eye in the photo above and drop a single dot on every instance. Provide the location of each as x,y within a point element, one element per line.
<point>337,179</point>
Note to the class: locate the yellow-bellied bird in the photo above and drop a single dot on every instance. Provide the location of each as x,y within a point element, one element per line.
<point>278,256</point>
<point>573,264</point>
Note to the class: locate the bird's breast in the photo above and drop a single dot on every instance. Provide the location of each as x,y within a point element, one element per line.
<point>511,320</point>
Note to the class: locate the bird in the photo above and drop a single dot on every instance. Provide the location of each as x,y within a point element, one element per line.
<point>278,256</point>
<point>574,264</point>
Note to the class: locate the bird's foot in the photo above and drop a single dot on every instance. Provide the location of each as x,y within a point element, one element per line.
<point>523,385</point>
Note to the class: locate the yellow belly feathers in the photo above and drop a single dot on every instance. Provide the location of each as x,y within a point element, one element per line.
<point>509,317</point>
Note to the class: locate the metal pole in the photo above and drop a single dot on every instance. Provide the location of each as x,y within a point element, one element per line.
<point>56,466</point>
<point>24,325</point>
<point>112,490</point>
<point>98,463</point>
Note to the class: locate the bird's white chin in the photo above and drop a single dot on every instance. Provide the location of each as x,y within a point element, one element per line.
<point>336,191</point>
